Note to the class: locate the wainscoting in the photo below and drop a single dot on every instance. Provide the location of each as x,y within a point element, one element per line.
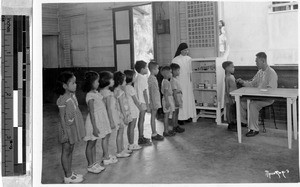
<point>287,78</point>
<point>50,76</point>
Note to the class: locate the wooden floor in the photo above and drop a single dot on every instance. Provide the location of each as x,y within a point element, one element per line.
<point>205,153</point>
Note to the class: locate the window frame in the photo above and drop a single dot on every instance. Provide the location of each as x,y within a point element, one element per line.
<point>276,4</point>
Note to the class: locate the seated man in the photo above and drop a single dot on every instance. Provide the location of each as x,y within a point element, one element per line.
<point>266,77</point>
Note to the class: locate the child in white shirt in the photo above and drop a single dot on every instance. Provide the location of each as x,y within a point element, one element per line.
<point>141,87</point>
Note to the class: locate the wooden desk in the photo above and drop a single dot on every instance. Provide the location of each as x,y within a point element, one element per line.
<point>289,94</point>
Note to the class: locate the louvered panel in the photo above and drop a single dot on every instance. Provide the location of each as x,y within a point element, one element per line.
<point>182,21</point>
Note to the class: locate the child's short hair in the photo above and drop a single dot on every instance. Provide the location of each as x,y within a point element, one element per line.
<point>104,79</point>
<point>119,78</point>
<point>139,65</point>
<point>89,79</point>
<point>174,66</point>
<point>226,64</point>
<point>152,64</point>
<point>165,68</point>
<point>63,78</point>
<point>129,75</point>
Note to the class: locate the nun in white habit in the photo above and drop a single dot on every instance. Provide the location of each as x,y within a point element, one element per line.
<point>181,58</point>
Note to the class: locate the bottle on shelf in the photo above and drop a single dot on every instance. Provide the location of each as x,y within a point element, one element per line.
<point>215,101</point>
<point>206,84</point>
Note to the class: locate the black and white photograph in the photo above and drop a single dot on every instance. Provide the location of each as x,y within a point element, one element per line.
<point>168,92</point>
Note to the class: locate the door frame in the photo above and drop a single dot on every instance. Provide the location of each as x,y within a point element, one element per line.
<point>129,41</point>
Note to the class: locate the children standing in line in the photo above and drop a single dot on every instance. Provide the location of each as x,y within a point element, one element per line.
<point>230,85</point>
<point>177,94</point>
<point>154,98</point>
<point>134,107</point>
<point>97,124</point>
<point>141,87</point>
<point>71,128</point>
<point>106,81</point>
<point>123,113</point>
<point>167,100</point>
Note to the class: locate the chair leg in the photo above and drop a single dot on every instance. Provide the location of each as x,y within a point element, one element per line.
<point>274,116</point>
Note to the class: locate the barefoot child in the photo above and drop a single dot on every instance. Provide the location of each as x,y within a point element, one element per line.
<point>97,124</point>
<point>230,85</point>
<point>106,81</point>
<point>141,87</point>
<point>154,98</point>
<point>123,113</point>
<point>134,107</point>
<point>71,128</point>
<point>167,100</point>
<point>177,94</point>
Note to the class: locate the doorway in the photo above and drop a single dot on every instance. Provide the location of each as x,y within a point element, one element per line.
<point>143,33</point>
<point>133,35</point>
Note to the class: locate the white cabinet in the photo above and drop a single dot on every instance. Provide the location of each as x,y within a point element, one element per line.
<point>208,85</point>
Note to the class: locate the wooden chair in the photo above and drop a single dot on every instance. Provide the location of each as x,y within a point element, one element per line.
<point>262,114</point>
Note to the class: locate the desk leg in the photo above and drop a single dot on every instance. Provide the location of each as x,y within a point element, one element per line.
<point>238,118</point>
<point>289,122</point>
<point>294,103</point>
<point>248,113</point>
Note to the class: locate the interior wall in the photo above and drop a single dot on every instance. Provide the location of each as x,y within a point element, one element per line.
<point>246,34</point>
<point>179,31</point>
<point>287,78</point>
<point>50,19</point>
<point>85,42</point>
<point>87,34</point>
<point>283,37</point>
<point>274,33</point>
<point>50,30</point>
<point>163,41</point>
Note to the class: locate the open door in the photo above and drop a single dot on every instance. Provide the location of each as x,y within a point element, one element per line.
<point>123,38</point>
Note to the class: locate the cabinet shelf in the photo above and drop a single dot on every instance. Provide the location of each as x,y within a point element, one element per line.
<point>206,116</point>
<point>208,72</point>
<point>207,107</point>
<point>203,89</point>
<point>202,71</point>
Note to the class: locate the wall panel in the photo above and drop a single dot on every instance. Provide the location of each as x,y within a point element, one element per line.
<point>163,41</point>
<point>92,26</point>
<point>50,19</point>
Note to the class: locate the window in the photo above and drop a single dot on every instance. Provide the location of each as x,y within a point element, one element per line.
<point>201,24</point>
<point>280,6</point>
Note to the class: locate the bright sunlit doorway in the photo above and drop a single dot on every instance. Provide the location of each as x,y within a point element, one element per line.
<point>143,33</point>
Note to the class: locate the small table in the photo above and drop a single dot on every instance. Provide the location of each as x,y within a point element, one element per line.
<point>289,94</point>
